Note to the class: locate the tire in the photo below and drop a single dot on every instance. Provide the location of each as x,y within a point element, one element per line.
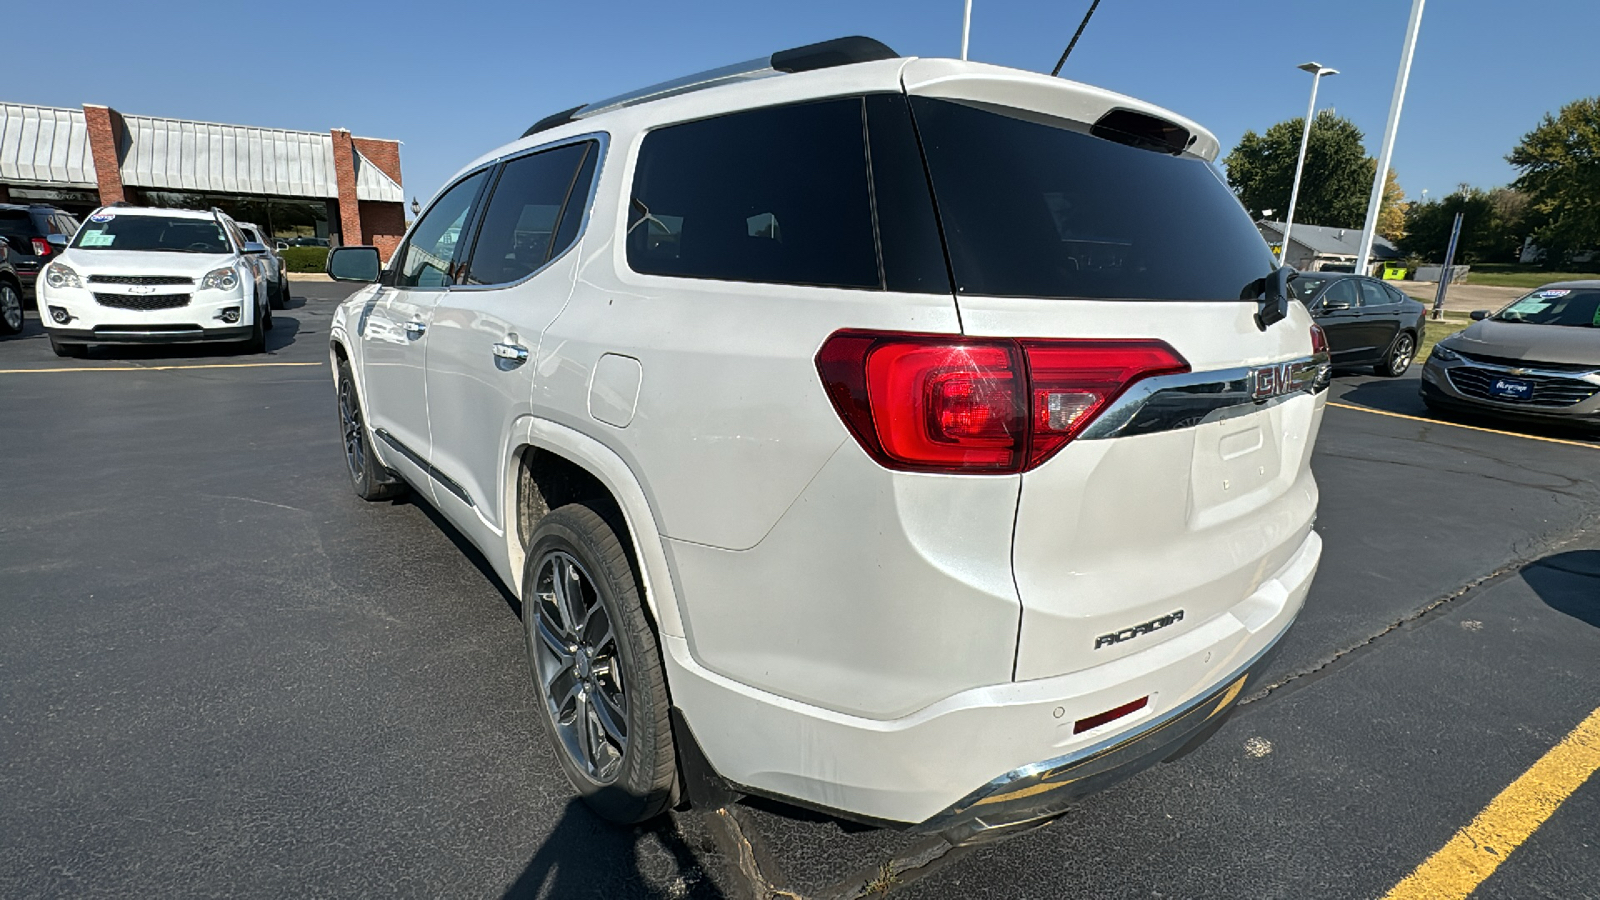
<point>70,351</point>
<point>10,308</point>
<point>1400,356</point>
<point>617,751</point>
<point>369,480</point>
<point>266,316</point>
<point>274,296</point>
<point>257,341</point>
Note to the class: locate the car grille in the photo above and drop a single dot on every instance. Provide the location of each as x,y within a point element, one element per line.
<point>140,279</point>
<point>1547,392</point>
<point>142,301</point>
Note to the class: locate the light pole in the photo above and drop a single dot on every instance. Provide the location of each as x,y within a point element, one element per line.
<point>966,29</point>
<point>1376,200</point>
<point>1317,70</point>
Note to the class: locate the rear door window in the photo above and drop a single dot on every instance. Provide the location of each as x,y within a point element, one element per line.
<point>776,195</point>
<point>526,222</point>
<point>1373,294</point>
<point>1035,208</point>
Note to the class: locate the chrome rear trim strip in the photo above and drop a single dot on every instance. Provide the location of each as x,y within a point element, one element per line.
<point>1171,402</point>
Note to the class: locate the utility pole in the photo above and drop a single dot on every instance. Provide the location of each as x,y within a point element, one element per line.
<point>966,29</point>
<point>1381,176</point>
<point>1444,276</point>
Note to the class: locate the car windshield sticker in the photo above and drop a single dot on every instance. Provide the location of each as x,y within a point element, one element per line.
<point>1551,295</point>
<point>1527,306</point>
<point>102,217</point>
<point>96,239</point>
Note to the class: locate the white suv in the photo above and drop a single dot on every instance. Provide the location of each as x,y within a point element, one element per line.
<point>918,440</point>
<point>145,275</point>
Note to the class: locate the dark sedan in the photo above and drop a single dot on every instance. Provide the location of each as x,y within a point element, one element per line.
<point>1368,322</point>
<point>1536,359</point>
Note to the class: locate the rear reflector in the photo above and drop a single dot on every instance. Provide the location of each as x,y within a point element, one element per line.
<point>942,403</point>
<point>1110,715</point>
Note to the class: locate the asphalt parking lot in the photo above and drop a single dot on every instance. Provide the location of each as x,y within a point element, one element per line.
<point>224,675</point>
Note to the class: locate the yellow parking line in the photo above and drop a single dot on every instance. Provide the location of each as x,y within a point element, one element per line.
<point>265,365</point>
<point>1531,437</point>
<point>1476,850</point>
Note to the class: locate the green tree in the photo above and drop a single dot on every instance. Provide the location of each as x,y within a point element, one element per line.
<point>1491,226</point>
<point>1560,166</point>
<point>1337,178</point>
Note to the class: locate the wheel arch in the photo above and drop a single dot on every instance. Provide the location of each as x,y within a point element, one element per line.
<point>546,450</point>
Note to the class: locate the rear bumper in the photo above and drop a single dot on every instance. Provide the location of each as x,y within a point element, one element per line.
<point>139,334</point>
<point>1035,795</point>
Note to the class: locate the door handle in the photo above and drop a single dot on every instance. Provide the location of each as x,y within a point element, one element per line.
<point>512,353</point>
<point>416,329</point>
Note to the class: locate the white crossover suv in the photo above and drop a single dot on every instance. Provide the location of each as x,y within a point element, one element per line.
<point>917,440</point>
<point>146,275</point>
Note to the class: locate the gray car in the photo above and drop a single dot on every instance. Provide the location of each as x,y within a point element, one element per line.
<point>1536,359</point>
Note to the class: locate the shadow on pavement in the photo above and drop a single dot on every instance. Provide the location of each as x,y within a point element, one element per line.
<point>1400,395</point>
<point>1569,583</point>
<point>586,856</point>
<point>283,333</point>
<point>463,544</point>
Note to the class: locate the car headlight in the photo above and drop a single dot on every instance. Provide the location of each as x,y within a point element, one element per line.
<point>61,275</point>
<point>224,279</point>
<point>1444,354</point>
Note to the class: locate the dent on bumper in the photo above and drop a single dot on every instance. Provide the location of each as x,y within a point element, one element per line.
<point>1037,794</point>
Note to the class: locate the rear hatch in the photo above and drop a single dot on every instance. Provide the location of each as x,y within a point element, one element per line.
<point>1070,212</point>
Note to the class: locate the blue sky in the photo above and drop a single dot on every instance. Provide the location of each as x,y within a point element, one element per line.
<point>453,80</point>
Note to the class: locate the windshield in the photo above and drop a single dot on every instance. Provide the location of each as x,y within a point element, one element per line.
<point>1575,307</point>
<point>114,232</point>
<point>1035,210</point>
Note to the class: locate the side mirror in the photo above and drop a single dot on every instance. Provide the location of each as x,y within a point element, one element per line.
<point>360,264</point>
<point>1334,305</point>
<point>1274,298</point>
<point>254,248</point>
<point>1478,315</point>
<point>58,239</point>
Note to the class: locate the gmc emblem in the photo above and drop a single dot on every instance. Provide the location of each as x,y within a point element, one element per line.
<point>1128,634</point>
<point>1273,381</point>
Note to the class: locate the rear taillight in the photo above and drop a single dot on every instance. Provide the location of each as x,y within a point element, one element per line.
<point>1319,339</point>
<point>942,403</point>
<point>41,247</point>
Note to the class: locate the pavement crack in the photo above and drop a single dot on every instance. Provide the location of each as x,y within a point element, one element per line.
<point>1511,568</point>
<point>745,855</point>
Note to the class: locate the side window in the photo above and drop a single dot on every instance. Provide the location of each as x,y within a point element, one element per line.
<point>524,222</point>
<point>776,195</point>
<point>1343,291</point>
<point>425,259</point>
<point>1373,294</point>
<point>1394,295</point>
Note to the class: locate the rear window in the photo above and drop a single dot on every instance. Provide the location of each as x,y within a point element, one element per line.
<point>15,223</point>
<point>1040,210</point>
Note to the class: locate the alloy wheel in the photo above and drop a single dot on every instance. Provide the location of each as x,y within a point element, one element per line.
<point>1404,349</point>
<point>579,669</point>
<point>11,308</point>
<point>355,448</point>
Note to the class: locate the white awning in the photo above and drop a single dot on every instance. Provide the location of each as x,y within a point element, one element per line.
<point>180,155</point>
<point>44,145</point>
<point>373,184</point>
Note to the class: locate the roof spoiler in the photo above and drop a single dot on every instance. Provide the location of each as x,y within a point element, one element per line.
<point>811,57</point>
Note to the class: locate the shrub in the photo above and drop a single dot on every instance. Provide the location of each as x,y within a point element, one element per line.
<point>305,259</point>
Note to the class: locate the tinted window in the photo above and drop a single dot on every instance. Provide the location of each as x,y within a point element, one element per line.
<point>1394,295</point>
<point>522,217</point>
<point>1304,287</point>
<point>425,261</point>
<point>773,195</point>
<point>15,223</point>
<point>1373,294</point>
<point>1343,291</point>
<point>1032,209</point>
<point>908,231</point>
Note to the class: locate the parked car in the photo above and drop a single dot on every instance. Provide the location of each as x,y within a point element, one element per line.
<point>10,292</point>
<point>1537,359</point>
<point>36,234</point>
<point>1368,323</point>
<point>145,275</point>
<point>797,508</point>
<point>272,267</point>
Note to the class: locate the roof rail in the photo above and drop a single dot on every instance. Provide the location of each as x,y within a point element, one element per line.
<point>823,55</point>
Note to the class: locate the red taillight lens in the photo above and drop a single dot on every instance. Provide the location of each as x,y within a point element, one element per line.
<point>940,403</point>
<point>1319,339</point>
<point>41,247</point>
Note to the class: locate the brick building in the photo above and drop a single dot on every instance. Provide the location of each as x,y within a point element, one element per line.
<point>293,183</point>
